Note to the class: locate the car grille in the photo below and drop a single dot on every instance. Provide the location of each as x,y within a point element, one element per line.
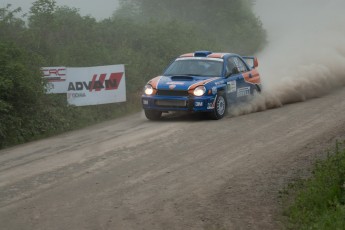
<point>171,103</point>
<point>172,93</point>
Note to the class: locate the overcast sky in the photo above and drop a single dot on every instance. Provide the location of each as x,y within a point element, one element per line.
<point>99,9</point>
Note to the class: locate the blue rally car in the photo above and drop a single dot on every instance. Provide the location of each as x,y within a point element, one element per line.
<point>202,82</point>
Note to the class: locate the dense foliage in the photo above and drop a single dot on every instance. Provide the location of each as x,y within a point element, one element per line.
<point>59,36</point>
<point>230,23</point>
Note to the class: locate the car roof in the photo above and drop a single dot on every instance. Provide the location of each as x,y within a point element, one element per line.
<point>207,54</point>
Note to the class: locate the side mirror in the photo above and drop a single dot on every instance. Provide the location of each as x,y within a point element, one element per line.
<point>233,71</point>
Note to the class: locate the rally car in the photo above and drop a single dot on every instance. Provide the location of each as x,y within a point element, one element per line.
<point>202,81</point>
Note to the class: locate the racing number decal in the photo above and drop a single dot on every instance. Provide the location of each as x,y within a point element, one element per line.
<point>231,86</point>
<point>242,92</point>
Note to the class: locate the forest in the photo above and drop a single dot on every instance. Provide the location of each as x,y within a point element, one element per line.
<point>145,35</point>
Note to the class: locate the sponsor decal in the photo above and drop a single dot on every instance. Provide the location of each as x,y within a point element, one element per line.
<point>96,85</point>
<point>214,90</point>
<point>199,103</point>
<point>231,86</point>
<point>110,84</point>
<point>56,78</point>
<point>241,92</point>
<point>172,86</point>
<point>219,83</point>
<point>210,105</point>
<point>75,95</point>
<point>54,74</point>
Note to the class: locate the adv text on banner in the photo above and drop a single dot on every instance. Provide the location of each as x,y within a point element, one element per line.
<point>96,85</point>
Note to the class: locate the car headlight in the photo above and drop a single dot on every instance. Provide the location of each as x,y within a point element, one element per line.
<point>148,90</point>
<point>199,91</point>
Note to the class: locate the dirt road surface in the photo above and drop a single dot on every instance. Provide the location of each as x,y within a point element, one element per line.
<point>179,173</point>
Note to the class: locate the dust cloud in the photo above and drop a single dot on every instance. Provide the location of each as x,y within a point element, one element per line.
<point>305,54</point>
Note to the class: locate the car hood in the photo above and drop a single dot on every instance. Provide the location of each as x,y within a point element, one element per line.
<point>180,82</point>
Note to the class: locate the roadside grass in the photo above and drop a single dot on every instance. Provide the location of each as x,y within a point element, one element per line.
<point>319,202</point>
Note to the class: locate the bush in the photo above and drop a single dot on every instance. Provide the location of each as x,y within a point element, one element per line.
<point>320,200</point>
<point>21,88</point>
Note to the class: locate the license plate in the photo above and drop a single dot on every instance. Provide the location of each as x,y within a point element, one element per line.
<point>171,103</point>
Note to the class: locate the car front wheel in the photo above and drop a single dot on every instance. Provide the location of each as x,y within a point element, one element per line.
<point>220,108</point>
<point>153,114</point>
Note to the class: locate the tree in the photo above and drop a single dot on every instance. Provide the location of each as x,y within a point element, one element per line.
<point>41,12</point>
<point>231,23</point>
<point>41,22</point>
<point>11,27</point>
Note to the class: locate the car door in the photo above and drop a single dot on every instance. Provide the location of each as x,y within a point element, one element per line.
<point>237,87</point>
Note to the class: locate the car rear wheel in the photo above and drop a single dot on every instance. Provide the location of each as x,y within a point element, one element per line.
<point>220,108</point>
<point>153,114</point>
<point>256,90</point>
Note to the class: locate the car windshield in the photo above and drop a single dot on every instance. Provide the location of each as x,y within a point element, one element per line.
<point>195,67</point>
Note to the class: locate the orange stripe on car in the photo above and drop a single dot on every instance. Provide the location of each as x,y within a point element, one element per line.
<point>154,82</point>
<point>252,77</point>
<point>187,55</point>
<point>202,83</point>
<point>216,55</point>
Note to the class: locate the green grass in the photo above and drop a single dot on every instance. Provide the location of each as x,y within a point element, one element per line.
<point>319,202</point>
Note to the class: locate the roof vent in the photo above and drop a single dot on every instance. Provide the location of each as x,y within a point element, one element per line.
<point>202,53</point>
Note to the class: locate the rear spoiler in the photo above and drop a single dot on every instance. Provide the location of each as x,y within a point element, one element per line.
<point>251,61</point>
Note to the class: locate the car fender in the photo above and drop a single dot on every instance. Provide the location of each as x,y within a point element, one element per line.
<point>217,86</point>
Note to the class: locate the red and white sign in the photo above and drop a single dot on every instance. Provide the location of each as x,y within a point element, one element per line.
<point>96,85</point>
<point>56,78</point>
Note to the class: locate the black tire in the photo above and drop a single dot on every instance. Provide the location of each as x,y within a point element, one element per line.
<point>153,115</point>
<point>220,108</point>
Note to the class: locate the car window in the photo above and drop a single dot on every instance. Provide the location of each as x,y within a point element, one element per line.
<point>230,65</point>
<point>240,65</point>
<point>195,67</point>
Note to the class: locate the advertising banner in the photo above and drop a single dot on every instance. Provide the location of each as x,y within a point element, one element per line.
<point>56,78</point>
<point>96,85</point>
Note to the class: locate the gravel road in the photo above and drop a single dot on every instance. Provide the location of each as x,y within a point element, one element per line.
<point>179,173</point>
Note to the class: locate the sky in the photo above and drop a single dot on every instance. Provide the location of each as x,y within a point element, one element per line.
<point>98,9</point>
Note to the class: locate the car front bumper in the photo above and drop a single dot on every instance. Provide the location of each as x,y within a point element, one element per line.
<point>179,103</point>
